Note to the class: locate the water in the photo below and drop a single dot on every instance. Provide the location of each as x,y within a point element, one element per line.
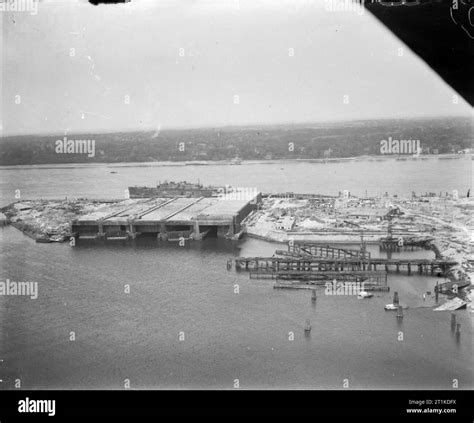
<point>176,291</point>
<point>375,177</point>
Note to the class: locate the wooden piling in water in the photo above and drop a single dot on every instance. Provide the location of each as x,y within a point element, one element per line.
<point>396,300</point>
<point>453,322</point>
<point>400,312</point>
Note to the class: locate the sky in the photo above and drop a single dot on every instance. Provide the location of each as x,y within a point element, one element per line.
<point>148,65</point>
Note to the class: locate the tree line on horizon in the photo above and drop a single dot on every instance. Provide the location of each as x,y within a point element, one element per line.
<point>338,140</point>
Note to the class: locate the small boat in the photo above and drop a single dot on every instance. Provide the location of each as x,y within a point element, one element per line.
<point>85,236</point>
<point>394,307</point>
<point>178,236</point>
<point>364,294</point>
<point>391,307</point>
<point>43,240</point>
<point>117,236</point>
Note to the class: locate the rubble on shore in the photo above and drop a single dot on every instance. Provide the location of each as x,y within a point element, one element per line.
<point>445,220</point>
<point>49,220</point>
<point>440,223</point>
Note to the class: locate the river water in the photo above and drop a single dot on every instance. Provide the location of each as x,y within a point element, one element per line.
<point>187,322</point>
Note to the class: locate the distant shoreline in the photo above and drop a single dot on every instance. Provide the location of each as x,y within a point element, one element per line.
<point>376,158</point>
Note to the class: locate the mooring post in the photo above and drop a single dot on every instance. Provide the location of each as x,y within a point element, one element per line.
<point>313,296</point>
<point>307,327</point>
<point>396,300</point>
<point>436,291</point>
<point>458,331</point>
<point>453,322</point>
<point>400,312</point>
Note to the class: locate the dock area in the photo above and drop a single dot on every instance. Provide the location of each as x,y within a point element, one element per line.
<point>308,265</point>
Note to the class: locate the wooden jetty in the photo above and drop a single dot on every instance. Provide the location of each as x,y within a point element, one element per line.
<point>376,277</point>
<point>296,249</point>
<point>293,285</point>
<point>326,264</point>
<point>283,284</point>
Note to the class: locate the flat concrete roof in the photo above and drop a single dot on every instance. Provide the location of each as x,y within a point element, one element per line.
<point>135,210</point>
<point>193,211</point>
<point>225,208</point>
<point>142,207</point>
<point>128,206</point>
<point>174,206</point>
<point>187,209</point>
